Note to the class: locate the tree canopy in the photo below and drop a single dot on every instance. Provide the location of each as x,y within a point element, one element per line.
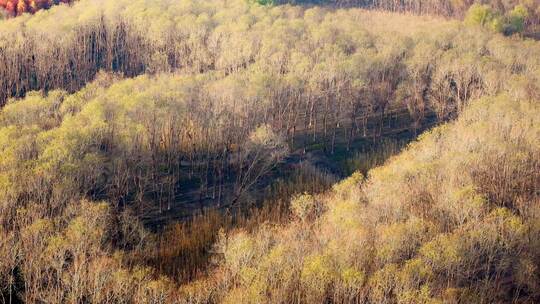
<point>116,114</point>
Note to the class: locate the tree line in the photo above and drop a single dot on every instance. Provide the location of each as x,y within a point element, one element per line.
<point>18,7</point>
<point>60,50</point>
<point>528,11</point>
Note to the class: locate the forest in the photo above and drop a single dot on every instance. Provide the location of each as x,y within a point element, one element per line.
<point>269,152</point>
<point>456,8</point>
<point>65,49</point>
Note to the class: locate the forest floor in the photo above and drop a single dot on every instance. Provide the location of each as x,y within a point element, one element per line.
<point>195,199</point>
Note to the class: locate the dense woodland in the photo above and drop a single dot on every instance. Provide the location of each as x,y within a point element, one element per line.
<point>117,113</point>
<point>452,219</point>
<point>65,48</point>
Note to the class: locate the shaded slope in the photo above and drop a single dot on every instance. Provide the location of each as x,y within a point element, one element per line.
<point>454,218</point>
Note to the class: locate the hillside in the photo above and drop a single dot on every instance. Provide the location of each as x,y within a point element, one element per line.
<point>66,46</point>
<point>450,219</point>
<point>454,218</point>
<point>185,151</point>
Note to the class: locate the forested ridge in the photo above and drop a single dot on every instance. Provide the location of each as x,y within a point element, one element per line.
<point>219,113</point>
<point>457,9</point>
<point>125,36</point>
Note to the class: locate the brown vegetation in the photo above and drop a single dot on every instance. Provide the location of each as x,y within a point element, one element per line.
<point>430,226</point>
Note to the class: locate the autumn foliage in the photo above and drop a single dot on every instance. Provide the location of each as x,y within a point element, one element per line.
<point>19,7</point>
